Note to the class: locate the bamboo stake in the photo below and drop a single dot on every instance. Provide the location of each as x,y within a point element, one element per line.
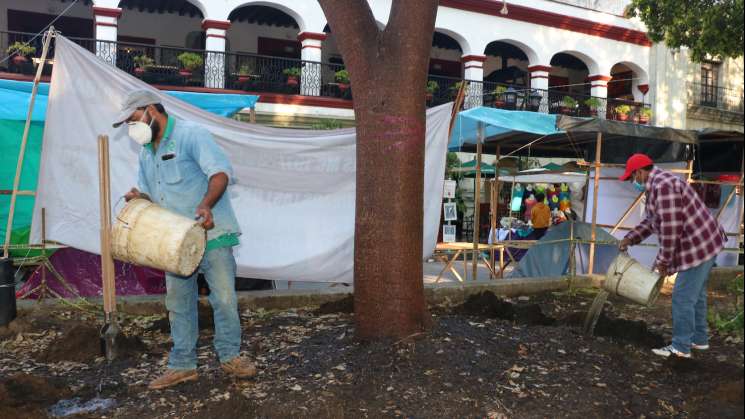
<point>19,164</point>
<point>477,200</point>
<point>495,200</point>
<point>107,261</point>
<point>596,189</point>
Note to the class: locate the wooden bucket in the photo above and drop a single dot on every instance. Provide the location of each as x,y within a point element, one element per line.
<point>148,235</point>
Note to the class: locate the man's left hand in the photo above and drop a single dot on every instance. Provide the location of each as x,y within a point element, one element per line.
<point>205,214</point>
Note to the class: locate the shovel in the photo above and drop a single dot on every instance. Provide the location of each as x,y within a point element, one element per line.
<point>110,329</point>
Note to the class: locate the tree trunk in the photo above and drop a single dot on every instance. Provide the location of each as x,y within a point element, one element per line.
<point>388,72</point>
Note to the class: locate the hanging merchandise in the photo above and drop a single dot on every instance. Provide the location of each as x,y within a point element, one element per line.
<point>517,198</point>
<point>565,203</point>
<point>529,204</point>
<point>553,197</point>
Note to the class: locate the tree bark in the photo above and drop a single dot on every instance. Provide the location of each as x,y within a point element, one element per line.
<point>388,73</point>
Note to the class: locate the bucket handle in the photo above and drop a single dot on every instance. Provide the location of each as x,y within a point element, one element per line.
<point>116,211</point>
<point>628,265</point>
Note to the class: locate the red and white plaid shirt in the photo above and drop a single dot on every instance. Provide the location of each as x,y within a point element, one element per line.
<point>689,234</point>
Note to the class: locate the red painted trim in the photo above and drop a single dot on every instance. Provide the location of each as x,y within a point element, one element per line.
<point>540,68</point>
<point>473,66</point>
<point>107,11</point>
<point>605,86</point>
<point>215,24</point>
<point>214,35</point>
<point>22,77</point>
<point>538,77</point>
<point>302,36</point>
<point>477,58</point>
<point>600,78</point>
<point>554,20</point>
<point>311,46</point>
<point>113,25</point>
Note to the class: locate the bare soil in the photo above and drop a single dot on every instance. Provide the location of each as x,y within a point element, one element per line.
<point>523,358</point>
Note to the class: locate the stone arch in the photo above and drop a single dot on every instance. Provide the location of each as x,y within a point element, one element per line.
<point>275,5</point>
<point>591,63</point>
<point>529,52</point>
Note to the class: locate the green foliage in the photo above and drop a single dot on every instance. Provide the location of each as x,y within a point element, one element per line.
<point>593,103</point>
<point>623,109</point>
<point>21,49</point>
<point>646,112</point>
<point>342,76</point>
<point>291,72</point>
<point>707,27</point>
<point>432,87</point>
<point>143,61</point>
<point>569,102</point>
<point>731,321</point>
<point>190,61</point>
<point>327,124</point>
<point>246,70</point>
<point>499,90</point>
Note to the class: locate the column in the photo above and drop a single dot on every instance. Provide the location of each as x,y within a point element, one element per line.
<point>473,72</point>
<point>311,75</point>
<point>215,57</point>
<point>599,89</point>
<point>107,22</point>
<point>539,85</point>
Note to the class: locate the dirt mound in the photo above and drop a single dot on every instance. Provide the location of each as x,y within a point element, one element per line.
<point>27,396</point>
<point>82,343</point>
<point>489,305</point>
<point>345,305</point>
<point>631,331</point>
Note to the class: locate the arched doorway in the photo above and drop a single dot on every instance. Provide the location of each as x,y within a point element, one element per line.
<point>569,87</point>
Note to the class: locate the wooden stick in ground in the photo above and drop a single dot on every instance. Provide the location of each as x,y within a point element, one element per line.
<point>495,202</point>
<point>107,261</point>
<point>24,141</point>
<point>477,201</point>
<point>596,189</point>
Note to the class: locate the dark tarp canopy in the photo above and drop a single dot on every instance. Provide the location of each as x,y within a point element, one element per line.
<point>719,151</point>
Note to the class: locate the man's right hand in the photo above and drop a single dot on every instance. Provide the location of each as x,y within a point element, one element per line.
<point>624,245</point>
<point>134,193</point>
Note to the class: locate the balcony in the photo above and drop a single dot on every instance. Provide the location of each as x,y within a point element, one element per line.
<point>715,97</point>
<point>181,68</point>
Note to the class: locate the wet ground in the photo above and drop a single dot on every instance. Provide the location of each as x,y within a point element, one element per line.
<point>489,357</point>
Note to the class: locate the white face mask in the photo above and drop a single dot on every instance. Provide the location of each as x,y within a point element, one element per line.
<point>140,132</point>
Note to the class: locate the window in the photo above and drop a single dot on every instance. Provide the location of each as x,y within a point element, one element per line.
<point>709,83</point>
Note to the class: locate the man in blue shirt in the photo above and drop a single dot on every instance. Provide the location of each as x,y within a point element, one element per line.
<point>183,169</point>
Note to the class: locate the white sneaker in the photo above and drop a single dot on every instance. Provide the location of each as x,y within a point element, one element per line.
<point>669,351</point>
<point>700,347</point>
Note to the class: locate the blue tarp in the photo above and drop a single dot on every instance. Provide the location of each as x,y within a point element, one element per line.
<point>499,122</point>
<point>15,97</point>
<point>547,259</point>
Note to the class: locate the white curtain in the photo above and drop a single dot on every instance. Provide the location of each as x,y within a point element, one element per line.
<point>294,193</point>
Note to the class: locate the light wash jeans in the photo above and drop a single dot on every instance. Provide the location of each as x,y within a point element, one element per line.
<point>689,307</point>
<point>218,266</point>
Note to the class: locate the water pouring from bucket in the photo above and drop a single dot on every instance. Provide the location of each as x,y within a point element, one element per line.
<point>626,278</point>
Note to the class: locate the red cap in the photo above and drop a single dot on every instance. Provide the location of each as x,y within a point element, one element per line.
<point>636,162</point>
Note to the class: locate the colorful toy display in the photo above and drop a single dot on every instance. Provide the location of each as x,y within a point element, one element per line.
<point>565,202</point>
<point>517,198</point>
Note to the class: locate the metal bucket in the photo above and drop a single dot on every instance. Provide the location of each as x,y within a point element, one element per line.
<point>148,235</point>
<point>628,278</point>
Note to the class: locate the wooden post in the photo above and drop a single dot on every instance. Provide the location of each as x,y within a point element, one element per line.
<point>24,141</point>
<point>495,204</point>
<point>43,244</point>
<point>107,261</point>
<point>252,115</point>
<point>572,251</point>
<point>627,213</point>
<point>477,200</point>
<point>596,188</point>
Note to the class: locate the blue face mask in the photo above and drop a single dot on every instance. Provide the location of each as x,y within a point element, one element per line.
<point>639,186</point>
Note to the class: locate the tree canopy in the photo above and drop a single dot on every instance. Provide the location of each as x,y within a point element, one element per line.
<point>707,27</point>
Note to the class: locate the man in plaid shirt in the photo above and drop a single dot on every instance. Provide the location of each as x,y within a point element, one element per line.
<point>690,238</point>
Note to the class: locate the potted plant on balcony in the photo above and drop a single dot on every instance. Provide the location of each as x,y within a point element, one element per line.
<point>142,63</point>
<point>189,62</point>
<point>498,94</point>
<point>22,51</point>
<point>430,90</point>
<point>244,73</point>
<point>622,112</point>
<point>342,78</point>
<point>593,104</point>
<point>645,115</point>
<point>455,88</point>
<point>568,105</point>
<point>293,76</point>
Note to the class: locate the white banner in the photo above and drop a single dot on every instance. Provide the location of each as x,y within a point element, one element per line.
<point>294,193</point>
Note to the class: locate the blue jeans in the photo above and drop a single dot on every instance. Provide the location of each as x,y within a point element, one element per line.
<point>218,266</point>
<point>689,307</point>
